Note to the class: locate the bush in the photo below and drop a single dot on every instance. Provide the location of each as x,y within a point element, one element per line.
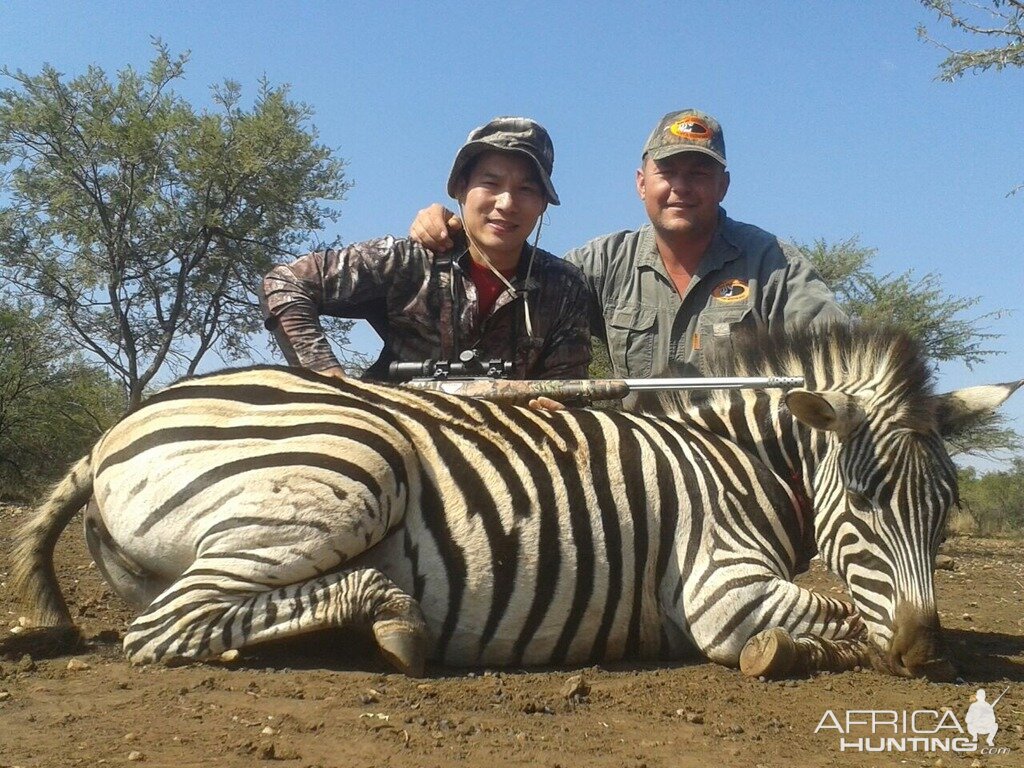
<point>994,501</point>
<point>53,405</point>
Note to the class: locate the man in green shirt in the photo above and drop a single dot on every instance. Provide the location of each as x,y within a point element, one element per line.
<point>662,292</point>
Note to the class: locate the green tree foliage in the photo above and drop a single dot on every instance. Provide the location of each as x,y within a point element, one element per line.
<point>998,25</point>
<point>143,225</point>
<point>53,405</point>
<point>917,304</point>
<point>927,312</point>
<point>995,500</point>
<point>600,361</point>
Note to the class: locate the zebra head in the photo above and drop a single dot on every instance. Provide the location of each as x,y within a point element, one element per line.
<point>882,489</point>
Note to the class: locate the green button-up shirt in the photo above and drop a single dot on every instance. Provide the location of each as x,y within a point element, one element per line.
<point>746,277</point>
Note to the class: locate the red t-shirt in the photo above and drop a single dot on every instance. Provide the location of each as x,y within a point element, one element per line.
<point>488,287</point>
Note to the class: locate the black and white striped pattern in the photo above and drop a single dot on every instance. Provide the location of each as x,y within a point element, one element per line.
<point>248,505</point>
<point>863,445</point>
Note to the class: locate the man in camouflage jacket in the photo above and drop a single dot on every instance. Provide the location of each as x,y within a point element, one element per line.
<point>496,295</point>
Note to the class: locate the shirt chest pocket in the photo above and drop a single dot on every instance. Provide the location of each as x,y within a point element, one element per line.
<point>717,324</point>
<point>631,337</point>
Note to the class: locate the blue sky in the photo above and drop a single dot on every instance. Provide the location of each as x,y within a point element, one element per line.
<point>834,122</point>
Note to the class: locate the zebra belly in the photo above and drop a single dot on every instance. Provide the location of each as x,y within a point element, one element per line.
<point>301,519</point>
<point>548,617</point>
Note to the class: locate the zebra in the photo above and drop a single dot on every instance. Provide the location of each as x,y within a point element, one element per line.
<point>249,505</point>
<point>863,447</point>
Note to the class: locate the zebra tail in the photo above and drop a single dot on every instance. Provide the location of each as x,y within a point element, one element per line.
<point>33,579</point>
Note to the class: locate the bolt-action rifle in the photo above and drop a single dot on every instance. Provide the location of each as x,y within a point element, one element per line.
<point>472,378</point>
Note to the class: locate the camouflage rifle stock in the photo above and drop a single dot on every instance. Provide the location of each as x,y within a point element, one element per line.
<point>520,392</point>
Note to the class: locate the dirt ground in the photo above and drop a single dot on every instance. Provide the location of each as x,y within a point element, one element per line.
<point>322,703</point>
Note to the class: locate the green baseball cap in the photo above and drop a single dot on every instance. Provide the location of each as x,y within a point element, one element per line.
<point>689,130</point>
<point>509,134</point>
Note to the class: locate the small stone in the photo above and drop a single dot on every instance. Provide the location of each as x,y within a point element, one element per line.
<point>286,752</point>
<point>129,737</point>
<point>25,664</point>
<point>230,655</point>
<point>368,698</point>
<point>695,717</point>
<point>5,695</point>
<point>268,731</point>
<point>967,617</point>
<point>944,563</point>
<point>265,751</point>
<point>77,665</point>
<point>135,756</point>
<point>736,728</point>
<point>575,688</point>
<point>24,622</point>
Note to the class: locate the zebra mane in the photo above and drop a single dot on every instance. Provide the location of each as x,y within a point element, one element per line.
<point>877,362</point>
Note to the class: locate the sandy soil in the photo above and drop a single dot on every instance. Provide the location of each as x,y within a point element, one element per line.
<point>328,702</point>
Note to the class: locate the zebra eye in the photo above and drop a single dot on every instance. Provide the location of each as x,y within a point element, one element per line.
<point>859,501</point>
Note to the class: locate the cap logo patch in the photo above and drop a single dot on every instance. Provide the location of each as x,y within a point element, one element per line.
<point>691,129</point>
<point>731,290</point>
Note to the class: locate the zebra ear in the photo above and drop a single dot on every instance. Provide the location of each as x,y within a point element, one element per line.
<point>954,411</point>
<point>829,411</point>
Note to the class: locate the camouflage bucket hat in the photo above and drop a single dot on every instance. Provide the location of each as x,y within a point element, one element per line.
<point>687,131</point>
<point>509,134</point>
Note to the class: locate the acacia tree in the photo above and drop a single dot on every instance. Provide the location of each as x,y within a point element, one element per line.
<point>143,225</point>
<point>997,24</point>
<point>918,304</point>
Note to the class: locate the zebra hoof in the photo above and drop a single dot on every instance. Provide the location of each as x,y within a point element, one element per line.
<point>771,653</point>
<point>403,646</point>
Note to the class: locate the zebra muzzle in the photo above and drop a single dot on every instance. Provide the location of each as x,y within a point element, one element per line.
<point>917,649</point>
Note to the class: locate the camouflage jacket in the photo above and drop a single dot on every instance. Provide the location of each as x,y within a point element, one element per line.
<point>425,308</point>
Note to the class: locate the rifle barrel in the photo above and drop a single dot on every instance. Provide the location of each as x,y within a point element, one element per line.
<point>720,382</point>
<point>513,391</point>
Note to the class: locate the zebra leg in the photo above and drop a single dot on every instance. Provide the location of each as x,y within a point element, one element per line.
<point>775,653</point>
<point>128,579</point>
<point>209,611</point>
<point>765,603</point>
<point>806,632</point>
